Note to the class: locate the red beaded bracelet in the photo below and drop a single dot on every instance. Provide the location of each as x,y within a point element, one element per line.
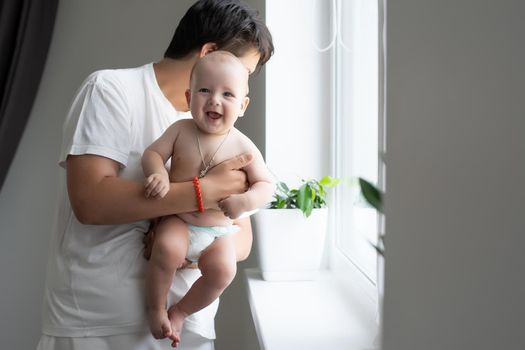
<point>198,194</point>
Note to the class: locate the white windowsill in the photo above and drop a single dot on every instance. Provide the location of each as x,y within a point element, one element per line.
<point>328,313</point>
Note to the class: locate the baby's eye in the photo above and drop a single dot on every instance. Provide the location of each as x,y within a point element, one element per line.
<point>228,94</point>
<point>204,90</point>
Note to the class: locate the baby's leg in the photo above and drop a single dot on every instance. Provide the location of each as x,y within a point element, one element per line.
<point>218,266</point>
<point>168,254</point>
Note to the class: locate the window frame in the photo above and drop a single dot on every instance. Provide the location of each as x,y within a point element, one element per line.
<point>339,261</point>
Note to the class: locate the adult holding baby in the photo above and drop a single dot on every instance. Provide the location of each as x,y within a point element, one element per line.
<point>94,294</point>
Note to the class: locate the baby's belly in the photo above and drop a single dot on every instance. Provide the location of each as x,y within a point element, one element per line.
<point>208,218</point>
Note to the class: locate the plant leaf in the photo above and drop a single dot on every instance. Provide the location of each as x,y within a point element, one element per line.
<point>372,195</point>
<point>329,181</point>
<point>281,189</point>
<point>312,194</point>
<point>309,201</point>
<point>301,198</point>
<point>284,187</point>
<point>380,246</point>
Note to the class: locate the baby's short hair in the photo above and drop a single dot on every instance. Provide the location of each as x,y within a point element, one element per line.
<point>221,56</point>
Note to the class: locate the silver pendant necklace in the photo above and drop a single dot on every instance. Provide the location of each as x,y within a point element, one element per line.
<point>207,167</point>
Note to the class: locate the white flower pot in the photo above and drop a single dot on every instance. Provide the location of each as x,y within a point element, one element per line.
<point>290,246</point>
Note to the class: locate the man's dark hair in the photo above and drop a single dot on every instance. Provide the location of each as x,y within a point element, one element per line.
<point>230,24</point>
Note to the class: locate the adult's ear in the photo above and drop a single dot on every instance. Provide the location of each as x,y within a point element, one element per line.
<point>207,48</point>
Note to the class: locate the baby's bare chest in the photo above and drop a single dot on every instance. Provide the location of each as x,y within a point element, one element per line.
<point>191,155</point>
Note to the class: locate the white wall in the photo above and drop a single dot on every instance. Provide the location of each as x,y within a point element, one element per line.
<point>455,174</point>
<point>89,35</point>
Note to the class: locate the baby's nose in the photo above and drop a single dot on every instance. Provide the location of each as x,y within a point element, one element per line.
<point>214,101</point>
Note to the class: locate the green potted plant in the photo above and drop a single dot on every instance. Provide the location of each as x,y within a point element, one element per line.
<point>290,233</point>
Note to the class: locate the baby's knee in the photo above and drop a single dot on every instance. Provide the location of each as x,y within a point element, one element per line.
<point>222,273</point>
<point>228,271</point>
<point>169,253</point>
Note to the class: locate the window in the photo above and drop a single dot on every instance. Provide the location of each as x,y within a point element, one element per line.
<point>326,64</point>
<point>356,130</point>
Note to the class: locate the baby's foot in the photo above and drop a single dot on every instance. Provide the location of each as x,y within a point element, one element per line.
<point>176,318</point>
<point>159,324</point>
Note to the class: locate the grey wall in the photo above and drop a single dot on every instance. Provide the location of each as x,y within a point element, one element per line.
<point>89,35</point>
<point>455,174</point>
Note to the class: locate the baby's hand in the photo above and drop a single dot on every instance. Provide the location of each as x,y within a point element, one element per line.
<point>157,185</point>
<point>234,205</point>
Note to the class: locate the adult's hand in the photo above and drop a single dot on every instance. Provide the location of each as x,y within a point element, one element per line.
<point>225,179</point>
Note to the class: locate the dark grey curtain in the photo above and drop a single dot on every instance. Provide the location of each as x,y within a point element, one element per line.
<point>26,27</point>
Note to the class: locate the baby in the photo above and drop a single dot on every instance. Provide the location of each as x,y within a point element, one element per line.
<point>217,97</point>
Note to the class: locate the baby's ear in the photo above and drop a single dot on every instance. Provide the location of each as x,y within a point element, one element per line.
<point>244,105</point>
<point>188,96</point>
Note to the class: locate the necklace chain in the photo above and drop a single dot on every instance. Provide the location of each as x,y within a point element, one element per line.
<point>207,167</point>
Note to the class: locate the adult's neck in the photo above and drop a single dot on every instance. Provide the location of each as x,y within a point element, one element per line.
<point>173,77</point>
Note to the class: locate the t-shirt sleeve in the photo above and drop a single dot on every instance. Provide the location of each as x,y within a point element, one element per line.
<point>98,122</point>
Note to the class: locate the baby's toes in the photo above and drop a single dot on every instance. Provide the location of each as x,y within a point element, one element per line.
<point>166,330</point>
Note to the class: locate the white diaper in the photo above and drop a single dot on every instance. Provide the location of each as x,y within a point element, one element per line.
<point>200,237</point>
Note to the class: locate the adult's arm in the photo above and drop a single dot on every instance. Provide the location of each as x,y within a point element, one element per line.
<point>99,196</point>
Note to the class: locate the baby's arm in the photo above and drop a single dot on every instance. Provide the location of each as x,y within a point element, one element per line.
<point>157,181</point>
<point>260,192</point>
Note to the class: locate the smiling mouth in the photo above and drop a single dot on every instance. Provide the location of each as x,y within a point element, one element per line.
<point>213,115</point>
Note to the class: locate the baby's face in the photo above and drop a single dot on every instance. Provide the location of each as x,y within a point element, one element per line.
<point>217,95</point>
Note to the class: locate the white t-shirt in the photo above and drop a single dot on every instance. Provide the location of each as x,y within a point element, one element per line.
<point>95,275</point>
